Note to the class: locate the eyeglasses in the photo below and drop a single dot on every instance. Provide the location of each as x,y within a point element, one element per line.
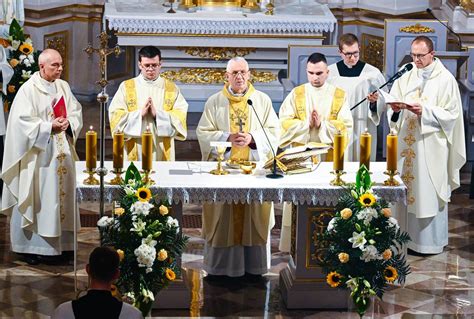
<point>237,73</point>
<point>351,54</point>
<point>419,56</point>
<point>151,66</point>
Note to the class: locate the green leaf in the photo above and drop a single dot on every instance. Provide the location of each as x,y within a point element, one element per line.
<point>16,31</point>
<point>132,173</point>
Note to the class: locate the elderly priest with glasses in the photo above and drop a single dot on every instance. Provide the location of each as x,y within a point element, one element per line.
<point>237,235</point>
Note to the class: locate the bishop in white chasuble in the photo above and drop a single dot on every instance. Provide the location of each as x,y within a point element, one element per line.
<point>431,145</point>
<point>237,235</point>
<point>149,101</point>
<point>312,112</point>
<point>39,163</point>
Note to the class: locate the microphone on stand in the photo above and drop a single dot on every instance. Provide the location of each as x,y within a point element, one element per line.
<point>274,174</point>
<point>446,26</point>
<point>397,75</point>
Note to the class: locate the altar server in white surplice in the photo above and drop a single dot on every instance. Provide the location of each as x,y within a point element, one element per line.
<point>357,79</point>
<point>149,101</point>
<point>237,235</point>
<point>431,144</point>
<point>312,112</point>
<point>39,164</point>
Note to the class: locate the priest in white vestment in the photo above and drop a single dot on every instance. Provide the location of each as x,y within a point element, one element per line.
<point>39,164</point>
<point>357,79</point>
<point>237,235</point>
<point>431,146</point>
<point>312,112</point>
<point>149,101</point>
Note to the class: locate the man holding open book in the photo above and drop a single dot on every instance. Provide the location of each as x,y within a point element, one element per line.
<point>39,163</point>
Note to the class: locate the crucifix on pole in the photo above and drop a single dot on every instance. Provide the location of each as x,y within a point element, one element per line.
<point>103,51</point>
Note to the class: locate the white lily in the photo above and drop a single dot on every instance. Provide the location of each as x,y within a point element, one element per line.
<point>358,240</point>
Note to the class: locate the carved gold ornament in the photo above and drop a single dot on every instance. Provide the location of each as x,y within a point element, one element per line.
<point>211,76</point>
<point>468,5</point>
<point>417,28</point>
<point>373,50</point>
<point>217,54</point>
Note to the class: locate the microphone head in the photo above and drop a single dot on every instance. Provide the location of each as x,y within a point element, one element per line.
<point>249,102</point>
<point>428,10</point>
<point>409,66</point>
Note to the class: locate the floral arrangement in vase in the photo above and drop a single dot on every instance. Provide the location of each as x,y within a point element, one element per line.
<point>364,245</point>
<point>147,239</point>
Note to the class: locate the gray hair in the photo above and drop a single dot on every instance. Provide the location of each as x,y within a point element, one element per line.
<point>45,56</point>
<point>236,59</point>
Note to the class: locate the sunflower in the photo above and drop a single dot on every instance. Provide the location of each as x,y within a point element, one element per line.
<point>170,274</point>
<point>367,199</point>
<point>143,194</point>
<point>390,274</point>
<point>26,48</point>
<point>333,279</point>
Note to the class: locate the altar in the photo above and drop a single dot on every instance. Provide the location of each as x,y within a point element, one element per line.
<point>303,285</point>
<point>197,45</point>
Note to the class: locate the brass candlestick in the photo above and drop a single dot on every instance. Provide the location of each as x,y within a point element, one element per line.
<point>171,10</point>
<point>146,178</point>
<point>91,180</point>
<point>338,180</point>
<point>270,8</point>
<point>117,180</point>
<point>391,181</point>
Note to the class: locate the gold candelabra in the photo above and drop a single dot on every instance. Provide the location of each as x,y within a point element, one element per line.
<point>117,180</point>
<point>147,180</point>
<point>337,181</point>
<point>91,180</point>
<point>391,181</point>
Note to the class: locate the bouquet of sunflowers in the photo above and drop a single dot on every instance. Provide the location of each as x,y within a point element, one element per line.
<point>147,239</point>
<point>363,245</point>
<point>22,58</point>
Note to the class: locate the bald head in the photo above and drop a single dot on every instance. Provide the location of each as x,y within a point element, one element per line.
<point>51,65</point>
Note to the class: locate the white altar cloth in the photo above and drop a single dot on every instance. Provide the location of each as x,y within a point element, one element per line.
<point>126,16</point>
<point>191,182</point>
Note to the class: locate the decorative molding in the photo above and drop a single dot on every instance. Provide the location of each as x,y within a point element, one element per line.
<point>78,12</point>
<point>467,5</point>
<point>212,76</point>
<point>373,50</point>
<point>417,28</point>
<point>60,42</point>
<point>217,54</point>
<point>318,219</point>
<point>194,35</point>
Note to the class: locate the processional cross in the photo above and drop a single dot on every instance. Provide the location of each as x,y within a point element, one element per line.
<point>103,51</point>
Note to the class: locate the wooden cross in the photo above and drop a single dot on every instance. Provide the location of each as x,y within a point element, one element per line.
<point>103,52</point>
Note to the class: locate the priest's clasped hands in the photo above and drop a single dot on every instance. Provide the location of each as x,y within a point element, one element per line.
<point>315,121</point>
<point>60,124</point>
<point>240,139</point>
<point>149,108</point>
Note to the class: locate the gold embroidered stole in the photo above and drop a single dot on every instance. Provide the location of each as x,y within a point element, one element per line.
<point>337,102</point>
<point>238,110</point>
<point>171,92</point>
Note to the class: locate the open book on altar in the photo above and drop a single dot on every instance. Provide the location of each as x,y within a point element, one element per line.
<point>299,159</point>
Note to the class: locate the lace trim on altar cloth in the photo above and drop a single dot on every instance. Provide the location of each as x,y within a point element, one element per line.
<point>300,196</point>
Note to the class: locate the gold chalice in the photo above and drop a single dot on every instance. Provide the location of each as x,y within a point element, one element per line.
<point>220,148</point>
<point>247,167</point>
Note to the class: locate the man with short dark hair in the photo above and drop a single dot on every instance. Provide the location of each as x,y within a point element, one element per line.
<point>103,270</point>
<point>357,79</point>
<point>429,121</point>
<point>312,112</point>
<point>149,101</point>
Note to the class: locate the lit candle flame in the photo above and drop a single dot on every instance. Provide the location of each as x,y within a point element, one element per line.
<point>91,128</point>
